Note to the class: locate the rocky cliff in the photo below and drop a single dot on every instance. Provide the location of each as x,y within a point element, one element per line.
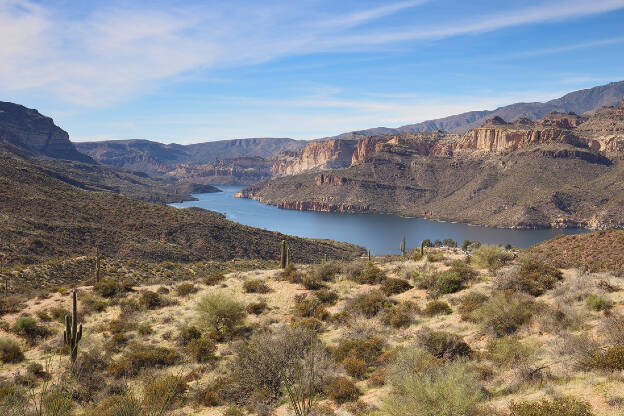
<point>316,155</point>
<point>28,129</point>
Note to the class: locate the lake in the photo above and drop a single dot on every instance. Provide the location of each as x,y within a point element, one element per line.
<point>380,233</point>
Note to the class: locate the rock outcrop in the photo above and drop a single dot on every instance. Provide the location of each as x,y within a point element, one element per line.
<point>317,155</point>
<point>28,129</point>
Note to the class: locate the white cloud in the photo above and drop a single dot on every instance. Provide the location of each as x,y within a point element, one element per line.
<point>105,54</point>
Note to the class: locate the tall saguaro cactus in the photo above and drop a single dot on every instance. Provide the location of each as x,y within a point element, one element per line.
<point>403,246</point>
<point>97,265</point>
<point>283,255</point>
<point>422,248</point>
<point>73,331</point>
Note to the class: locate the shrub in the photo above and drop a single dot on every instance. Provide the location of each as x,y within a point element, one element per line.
<point>213,279</point>
<point>326,272</point>
<point>449,282</point>
<point>537,276</point>
<point>10,304</point>
<point>106,288</point>
<point>469,303</point>
<point>369,274</point>
<point>368,304</point>
<point>310,308</point>
<point>355,367</point>
<point>290,274</point>
<point>220,313</point>
<point>201,349</point>
<point>140,357</point>
<point>128,306</point>
<point>162,393</point>
<point>598,303</point>
<point>368,349</point>
<point>435,256</point>
<point>185,289</point>
<point>463,270</point>
<point>611,358</point>
<point>58,313</point>
<point>90,303</point>
<point>256,286</point>
<point>504,313</point>
<point>342,390</point>
<point>188,333</point>
<point>424,386</point>
<point>27,326</point>
<point>256,308</point>
<point>508,352</point>
<point>442,344</point>
<point>563,406</point>
<point>394,286</point>
<point>150,300</point>
<point>437,307</point>
<point>10,351</point>
<point>490,257</point>
<point>312,282</point>
<point>117,405</point>
<point>145,328</point>
<point>398,316</point>
<point>36,369</point>
<point>326,296</point>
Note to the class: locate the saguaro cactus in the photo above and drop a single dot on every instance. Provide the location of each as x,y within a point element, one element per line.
<point>422,248</point>
<point>369,255</point>
<point>97,265</point>
<point>73,331</point>
<point>403,246</point>
<point>283,255</point>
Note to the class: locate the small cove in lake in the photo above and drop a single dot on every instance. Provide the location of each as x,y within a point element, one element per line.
<point>380,233</point>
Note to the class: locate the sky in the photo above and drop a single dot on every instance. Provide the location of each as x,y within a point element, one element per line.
<point>195,71</point>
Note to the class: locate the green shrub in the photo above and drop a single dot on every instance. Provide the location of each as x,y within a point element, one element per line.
<point>220,313</point>
<point>185,289</point>
<point>563,406</point>
<point>10,351</point>
<point>188,333</point>
<point>150,300</point>
<point>342,390</point>
<point>256,286</point>
<point>598,303</point>
<point>90,303</point>
<point>449,282</point>
<point>162,393</point>
<point>326,272</point>
<point>508,352</point>
<point>142,357</point>
<point>538,276</point>
<point>326,296</point>
<point>201,349</point>
<point>424,386</point>
<point>256,308</point>
<point>27,326</point>
<point>463,270</point>
<point>58,313</point>
<point>106,288</point>
<point>490,257</point>
<point>437,307</point>
<point>369,304</point>
<point>393,286</point>
<point>370,274</point>
<point>442,344</point>
<point>504,313</point>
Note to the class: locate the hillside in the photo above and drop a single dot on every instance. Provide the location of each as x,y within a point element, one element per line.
<point>158,158</point>
<point>45,217</point>
<point>563,170</point>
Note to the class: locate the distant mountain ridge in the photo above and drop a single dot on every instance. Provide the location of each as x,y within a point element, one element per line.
<point>579,102</point>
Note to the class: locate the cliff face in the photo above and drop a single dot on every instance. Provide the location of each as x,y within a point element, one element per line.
<point>28,129</point>
<point>328,154</point>
<point>237,171</point>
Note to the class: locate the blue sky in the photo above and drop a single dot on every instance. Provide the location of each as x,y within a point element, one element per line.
<point>188,71</point>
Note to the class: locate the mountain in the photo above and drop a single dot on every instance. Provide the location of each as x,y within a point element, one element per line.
<point>158,158</point>
<point>578,102</point>
<point>563,170</point>
<point>27,128</point>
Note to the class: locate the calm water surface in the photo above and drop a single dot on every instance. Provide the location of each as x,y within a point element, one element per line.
<point>380,233</point>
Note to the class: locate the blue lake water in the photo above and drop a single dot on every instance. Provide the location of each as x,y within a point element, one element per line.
<point>380,233</point>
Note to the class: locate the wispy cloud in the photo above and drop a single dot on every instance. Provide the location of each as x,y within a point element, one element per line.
<point>108,52</point>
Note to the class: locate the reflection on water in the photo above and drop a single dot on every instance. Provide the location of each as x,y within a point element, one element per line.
<point>380,233</point>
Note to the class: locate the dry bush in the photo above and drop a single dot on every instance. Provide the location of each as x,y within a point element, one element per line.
<point>435,256</point>
<point>10,351</point>
<point>309,307</point>
<point>399,316</point>
<point>90,303</point>
<point>365,273</point>
<point>609,358</point>
<point>575,288</point>
<point>107,288</point>
<point>213,279</point>
<point>437,307</point>
<point>367,350</point>
<point>326,272</point>
<point>312,282</point>
<point>290,274</point>
<point>142,357</point>
<point>503,313</point>
<point>509,352</point>
<point>469,303</point>
<point>327,296</point>
<point>368,304</point>
<point>532,276</point>
<point>612,328</point>
<point>11,304</point>
<point>562,406</point>
<point>580,349</point>
<point>256,286</point>
<point>342,390</point>
<point>425,386</point>
<point>560,317</point>
<point>392,286</point>
<point>163,393</point>
<point>256,308</point>
<point>151,300</point>
<point>187,334</point>
<point>442,344</point>
<point>185,289</point>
